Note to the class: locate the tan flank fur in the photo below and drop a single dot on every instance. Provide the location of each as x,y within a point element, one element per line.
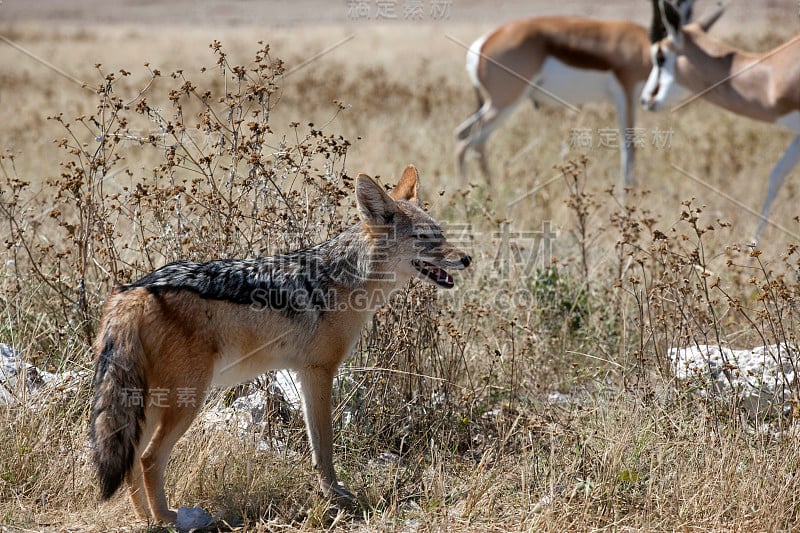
<point>564,61</point>
<point>188,327</point>
<point>763,86</point>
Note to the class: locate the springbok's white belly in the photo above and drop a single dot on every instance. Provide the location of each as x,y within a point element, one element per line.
<point>565,84</point>
<point>474,59</point>
<point>791,121</point>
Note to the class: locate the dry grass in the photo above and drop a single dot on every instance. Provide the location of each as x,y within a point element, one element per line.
<point>461,385</point>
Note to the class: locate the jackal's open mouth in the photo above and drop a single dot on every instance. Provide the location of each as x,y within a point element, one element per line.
<point>434,273</point>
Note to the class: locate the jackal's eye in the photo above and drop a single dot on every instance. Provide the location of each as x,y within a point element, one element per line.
<point>428,236</point>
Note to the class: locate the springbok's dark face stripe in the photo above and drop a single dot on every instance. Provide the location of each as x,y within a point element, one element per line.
<point>660,58</point>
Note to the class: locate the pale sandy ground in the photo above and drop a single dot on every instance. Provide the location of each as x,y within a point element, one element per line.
<point>755,16</point>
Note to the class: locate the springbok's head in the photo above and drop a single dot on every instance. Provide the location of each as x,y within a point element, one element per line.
<point>669,42</point>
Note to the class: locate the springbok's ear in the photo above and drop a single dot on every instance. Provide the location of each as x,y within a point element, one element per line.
<point>712,17</point>
<point>657,30</point>
<point>408,186</point>
<point>671,18</point>
<point>685,7</point>
<point>374,205</point>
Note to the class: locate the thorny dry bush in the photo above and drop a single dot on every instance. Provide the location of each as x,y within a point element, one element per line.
<point>677,287</point>
<point>454,385</point>
<point>223,186</point>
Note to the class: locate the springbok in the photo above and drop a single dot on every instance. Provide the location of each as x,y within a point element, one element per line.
<point>764,86</point>
<point>558,60</point>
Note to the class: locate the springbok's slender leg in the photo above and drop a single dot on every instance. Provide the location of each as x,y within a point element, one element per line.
<point>626,115</point>
<point>474,132</point>
<point>776,178</point>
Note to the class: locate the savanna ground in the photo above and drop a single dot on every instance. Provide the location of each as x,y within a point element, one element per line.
<point>537,395</point>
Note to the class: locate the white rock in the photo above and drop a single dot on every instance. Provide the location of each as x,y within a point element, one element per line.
<point>386,459</point>
<point>21,382</point>
<point>289,387</point>
<point>18,379</point>
<point>761,378</point>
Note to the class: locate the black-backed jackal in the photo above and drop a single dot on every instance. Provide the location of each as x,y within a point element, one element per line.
<point>187,327</point>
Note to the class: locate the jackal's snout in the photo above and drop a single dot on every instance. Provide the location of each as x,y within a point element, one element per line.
<point>456,259</point>
<point>433,266</point>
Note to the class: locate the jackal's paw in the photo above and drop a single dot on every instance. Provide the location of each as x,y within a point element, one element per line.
<point>341,496</point>
<point>166,517</point>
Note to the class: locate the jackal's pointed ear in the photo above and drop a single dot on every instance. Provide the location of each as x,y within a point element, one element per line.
<point>408,186</point>
<point>374,205</point>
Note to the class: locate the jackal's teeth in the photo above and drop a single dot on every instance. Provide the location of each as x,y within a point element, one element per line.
<point>435,274</point>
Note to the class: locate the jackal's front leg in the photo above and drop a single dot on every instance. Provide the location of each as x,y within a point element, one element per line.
<point>316,384</point>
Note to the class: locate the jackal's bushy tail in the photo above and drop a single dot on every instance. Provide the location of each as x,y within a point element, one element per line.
<point>120,390</point>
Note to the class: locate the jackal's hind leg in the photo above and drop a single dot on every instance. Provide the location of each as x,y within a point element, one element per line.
<point>133,478</point>
<point>172,423</point>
